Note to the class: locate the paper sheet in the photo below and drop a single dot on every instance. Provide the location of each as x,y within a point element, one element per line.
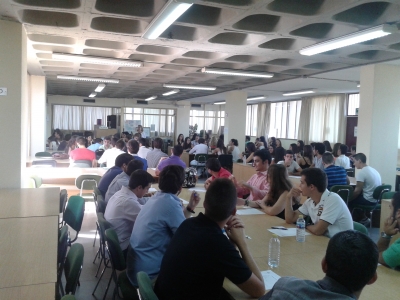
<point>153,169</point>
<point>270,278</point>
<point>184,201</point>
<point>198,189</point>
<point>288,232</point>
<point>249,211</point>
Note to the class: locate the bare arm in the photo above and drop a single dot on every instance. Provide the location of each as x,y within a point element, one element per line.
<point>297,172</point>
<point>318,229</point>
<point>277,208</point>
<point>250,157</point>
<point>193,202</point>
<point>348,180</point>
<point>290,215</point>
<point>358,189</point>
<point>383,243</point>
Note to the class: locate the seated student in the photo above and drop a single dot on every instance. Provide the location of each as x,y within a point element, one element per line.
<point>213,167</point>
<point>350,264</point>
<point>305,161</point>
<point>71,144</point>
<point>154,156</point>
<point>274,201</point>
<point>250,149</point>
<point>137,136</point>
<point>106,143</point>
<point>257,186</point>
<point>351,157</point>
<point>234,149</point>
<point>200,148</point>
<point>121,163</point>
<point>81,153</point>
<point>335,150</point>
<point>327,210</point>
<point>279,155</point>
<point>319,149</point>
<point>195,140</point>
<point>221,149</point>
<point>96,144</point>
<point>89,138</point>
<point>174,159</point>
<point>64,144</point>
<point>390,256</point>
<point>156,224</point>
<point>133,148</point>
<point>334,174</point>
<point>292,167</point>
<point>200,256</point>
<point>247,140</point>
<point>110,155</point>
<point>124,206</point>
<point>143,149</point>
<point>122,179</point>
<point>342,160</point>
<point>187,145</point>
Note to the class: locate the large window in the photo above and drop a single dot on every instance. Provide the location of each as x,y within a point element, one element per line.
<point>353,104</point>
<point>207,119</point>
<point>284,120</point>
<point>251,120</point>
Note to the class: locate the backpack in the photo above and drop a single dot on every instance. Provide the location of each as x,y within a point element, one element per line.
<point>190,178</point>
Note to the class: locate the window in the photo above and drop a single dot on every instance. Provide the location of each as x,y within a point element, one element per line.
<point>207,119</point>
<point>284,120</point>
<point>353,104</point>
<point>160,120</point>
<point>251,120</point>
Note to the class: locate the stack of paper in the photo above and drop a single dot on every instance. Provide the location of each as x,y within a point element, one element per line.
<point>287,232</point>
<point>249,211</point>
<point>270,278</point>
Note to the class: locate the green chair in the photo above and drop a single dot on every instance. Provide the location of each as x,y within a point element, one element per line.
<point>43,154</point>
<point>36,181</point>
<point>87,182</point>
<point>118,263</point>
<point>73,215</point>
<point>377,195</point>
<point>68,297</point>
<point>201,160</point>
<point>73,268</point>
<point>97,196</point>
<point>360,227</point>
<point>62,252</point>
<point>145,287</point>
<point>344,191</point>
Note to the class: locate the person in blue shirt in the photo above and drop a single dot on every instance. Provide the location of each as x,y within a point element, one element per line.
<point>133,148</point>
<point>96,145</point>
<point>335,175</point>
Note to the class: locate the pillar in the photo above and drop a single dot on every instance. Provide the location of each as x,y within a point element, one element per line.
<point>182,119</point>
<point>14,105</point>
<point>235,117</point>
<point>378,118</point>
<point>38,115</point>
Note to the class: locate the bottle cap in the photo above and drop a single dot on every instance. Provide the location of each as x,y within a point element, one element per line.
<point>301,216</point>
<point>275,235</point>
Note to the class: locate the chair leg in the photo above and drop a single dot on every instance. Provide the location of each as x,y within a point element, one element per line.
<point>95,236</point>
<point>108,285</point>
<point>98,281</point>
<point>370,219</point>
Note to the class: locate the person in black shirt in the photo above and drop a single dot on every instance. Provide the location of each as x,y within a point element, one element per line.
<point>200,256</point>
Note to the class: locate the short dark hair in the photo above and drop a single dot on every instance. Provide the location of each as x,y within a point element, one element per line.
<point>353,147</point>
<point>177,150</point>
<point>213,164</point>
<point>343,149</point>
<point>289,152</point>
<point>108,138</point>
<point>138,135</point>
<point>220,199</point>
<point>123,158</point>
<point>316,177</point>
<point>120,144</point>
<point>327,158</point>
<point>140,178</point>
<point>133,145</point>
<point>81,141</point>
<point>171,179</point>
<point>158,142</point>
<point>235,142</point>
<point>134,165</point>
<point>361,156</point>
<point>67,137</point>
<point>143,142</point>
<point>320,148</point>
<point>352,259</point>
<point>264,155</point>
<point>202,140</point>
<point>97,140</point>
<point>247,138</point>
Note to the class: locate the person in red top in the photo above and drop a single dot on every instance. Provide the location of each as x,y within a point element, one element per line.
<point>214,168</point>
<point>81,153</point>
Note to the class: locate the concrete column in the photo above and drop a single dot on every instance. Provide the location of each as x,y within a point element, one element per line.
<point>37,114</point>
<point>182,119</point>
<point>235,117</point>
<point>14,105</point>
<point>378,118</point>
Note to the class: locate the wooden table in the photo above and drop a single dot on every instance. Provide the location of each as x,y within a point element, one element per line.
<point>243,172</point>
<point>20,203</point>
<point>38,291</point>
<point>28,251</point>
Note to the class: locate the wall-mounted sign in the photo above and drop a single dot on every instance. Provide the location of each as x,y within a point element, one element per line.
<point>3,91</point>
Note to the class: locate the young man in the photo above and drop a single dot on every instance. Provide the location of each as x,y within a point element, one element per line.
<point>106,143</point>
<point>96,145</point>
<point>125,205</point>
<point>123,178</point>
<point>292,167</point>
<point>350,264</point>
<point>110,155</point>
<point>133,148</point>
<point>143,150</point>
<point>233,148</point>
<point>200,148</point>
<point>81,153</point>
<point>200,256</point>
<point>157,222</point>
<point>257,186</point>
<point>335,175</point>
<point>343,160</point>
<point>153,157</point>
<point>174,159</point>
<point>120,164</point>
<point>327,210</point>
<point>214,168</point>
<point>319,149</point>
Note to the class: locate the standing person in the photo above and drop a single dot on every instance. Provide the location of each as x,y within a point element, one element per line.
<point>180,140</point>
<point>110,155</point>
<point>335,175</point>
<point>213,142</point>
<point>305,161</point>
<point>153,157</point>
<point>343,160</point>
<point>81,153</point>
<point>234,149</point>
<point>221,149</point>
<point>212,256</point>
<point>143,148</point>
<point>291,166</point>
<point>272,141</point>
<point>319,149</point>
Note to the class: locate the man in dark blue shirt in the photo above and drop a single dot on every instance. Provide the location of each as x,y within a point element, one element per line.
<point>334,174</point>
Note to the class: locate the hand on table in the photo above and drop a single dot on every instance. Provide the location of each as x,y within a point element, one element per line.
<point>390,226</point>
<point>260,204</point>
<point>246,185</point>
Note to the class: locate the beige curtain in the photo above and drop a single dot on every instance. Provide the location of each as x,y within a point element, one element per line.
<point>263,116</point>
<point>304,122</point>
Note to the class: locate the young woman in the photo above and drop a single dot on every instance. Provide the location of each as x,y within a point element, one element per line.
<point>250,149</point>
<point>180,140</point>
<point>263,142</point>
<point>278,143</point>
<point>272,141</point>
<point>300,145</point>
<point>279,155</point>
<point>327,146</point>
<point>187,145</point>
<point>221,149</point>
<point>71,144</point>
<point>295,149</point>
<point>335,150</point>
<point>55,139</point>
<point>274,202</point>
<point>213,142</point>
<point>271,150</point>
<point>305,160</point>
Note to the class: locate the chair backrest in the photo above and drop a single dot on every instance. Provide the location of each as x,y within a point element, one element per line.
<point>226,160</point>
<point>360,227</point>
<point>379,190</point>
<point>344,191</point>
<point>44,163</point>
<point>145,287</point>
<point>63,200</point>
<point>201,158</point>
<point>388,195</point>
<point>37,180</point>
<point>99,153</point>
<point>114,249</point>
<point>43,154</point>
<point>62,244</point>
<point>87,182</point>
<point>73,267</point>
<point>73,214</point>
<point>101,206</point>
<point>81,164</point>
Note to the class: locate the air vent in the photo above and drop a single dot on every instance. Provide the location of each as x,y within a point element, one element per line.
<point>89,100</point>
<point>196,105</point>
<point>142,102</point>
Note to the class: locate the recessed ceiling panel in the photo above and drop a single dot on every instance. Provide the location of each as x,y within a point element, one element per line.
<point>70,4</point>
<point>262,23</point>
<point>234,38</point>
<point>315,31</point>
<point>279,44</point>
<point>297,72</point>
<point>135,8</point>
<point>296,7</point>
<point>190,62</point>
<point>56,63</point>
<point>281,62</point>
<point>124,26</point>
<point>184,33</point>
<point>245,58</point>
<point>233,2</point>
<point>51,48</point>
<point>364,14</point>
<point>96,66</point>
<point>225,65</point>
<point>54,68</point>
<point>206,15</point>
<point>103,53</point>
<point>147,57</point>
<point>375,55</point>
<point>49,18</point>
<point>106,44</point>
<point>51,39</point>
<point>158,50</point>
<point>204,54</point>
<point>179,68</point>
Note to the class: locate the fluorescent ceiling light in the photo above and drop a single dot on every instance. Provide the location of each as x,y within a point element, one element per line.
<point>190,87</point>
<point>171,92</point>
<point>92,79</point>
<point>236,73</point>
<point>219,103</point>
<point>100,87</point>
<point>256,98</point>
<point>92,95</point>
<point>350,39</point>
<point>97,60</point>
<point>151,98</point>
<point>168,15</point>
<point>298,93</point>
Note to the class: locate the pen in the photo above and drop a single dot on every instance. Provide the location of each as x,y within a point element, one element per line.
<point>282,228</point>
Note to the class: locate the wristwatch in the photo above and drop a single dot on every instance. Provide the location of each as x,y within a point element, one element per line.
<point>384,235</point>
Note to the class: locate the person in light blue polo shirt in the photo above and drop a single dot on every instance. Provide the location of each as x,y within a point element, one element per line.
<point>174,159</point>
<point>96,145</point>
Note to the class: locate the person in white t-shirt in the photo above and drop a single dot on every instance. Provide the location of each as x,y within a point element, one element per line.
<point>326,209</point>
<point>292,166</point>
<point>110,155</point>
<point>342,160</point>
<point>143,150</point>
<point>200,148</point>
<point>234,149</point>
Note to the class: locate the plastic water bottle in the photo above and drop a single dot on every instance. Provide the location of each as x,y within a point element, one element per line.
<point>274,251</point>
<point>244,159</point>
<point>301,229</point>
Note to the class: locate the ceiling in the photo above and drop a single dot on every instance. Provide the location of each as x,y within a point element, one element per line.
<point>257,35</point>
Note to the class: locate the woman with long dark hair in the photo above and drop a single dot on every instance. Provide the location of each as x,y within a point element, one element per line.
<point>187,145</point>
<point>221,149</point>
<point>305,160</point>
<point>327,146</point>
<point>180,141</point>
<point>250,149</point>
<point>279,154</point>
<point>264,144</point>
<point>300,145</point>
